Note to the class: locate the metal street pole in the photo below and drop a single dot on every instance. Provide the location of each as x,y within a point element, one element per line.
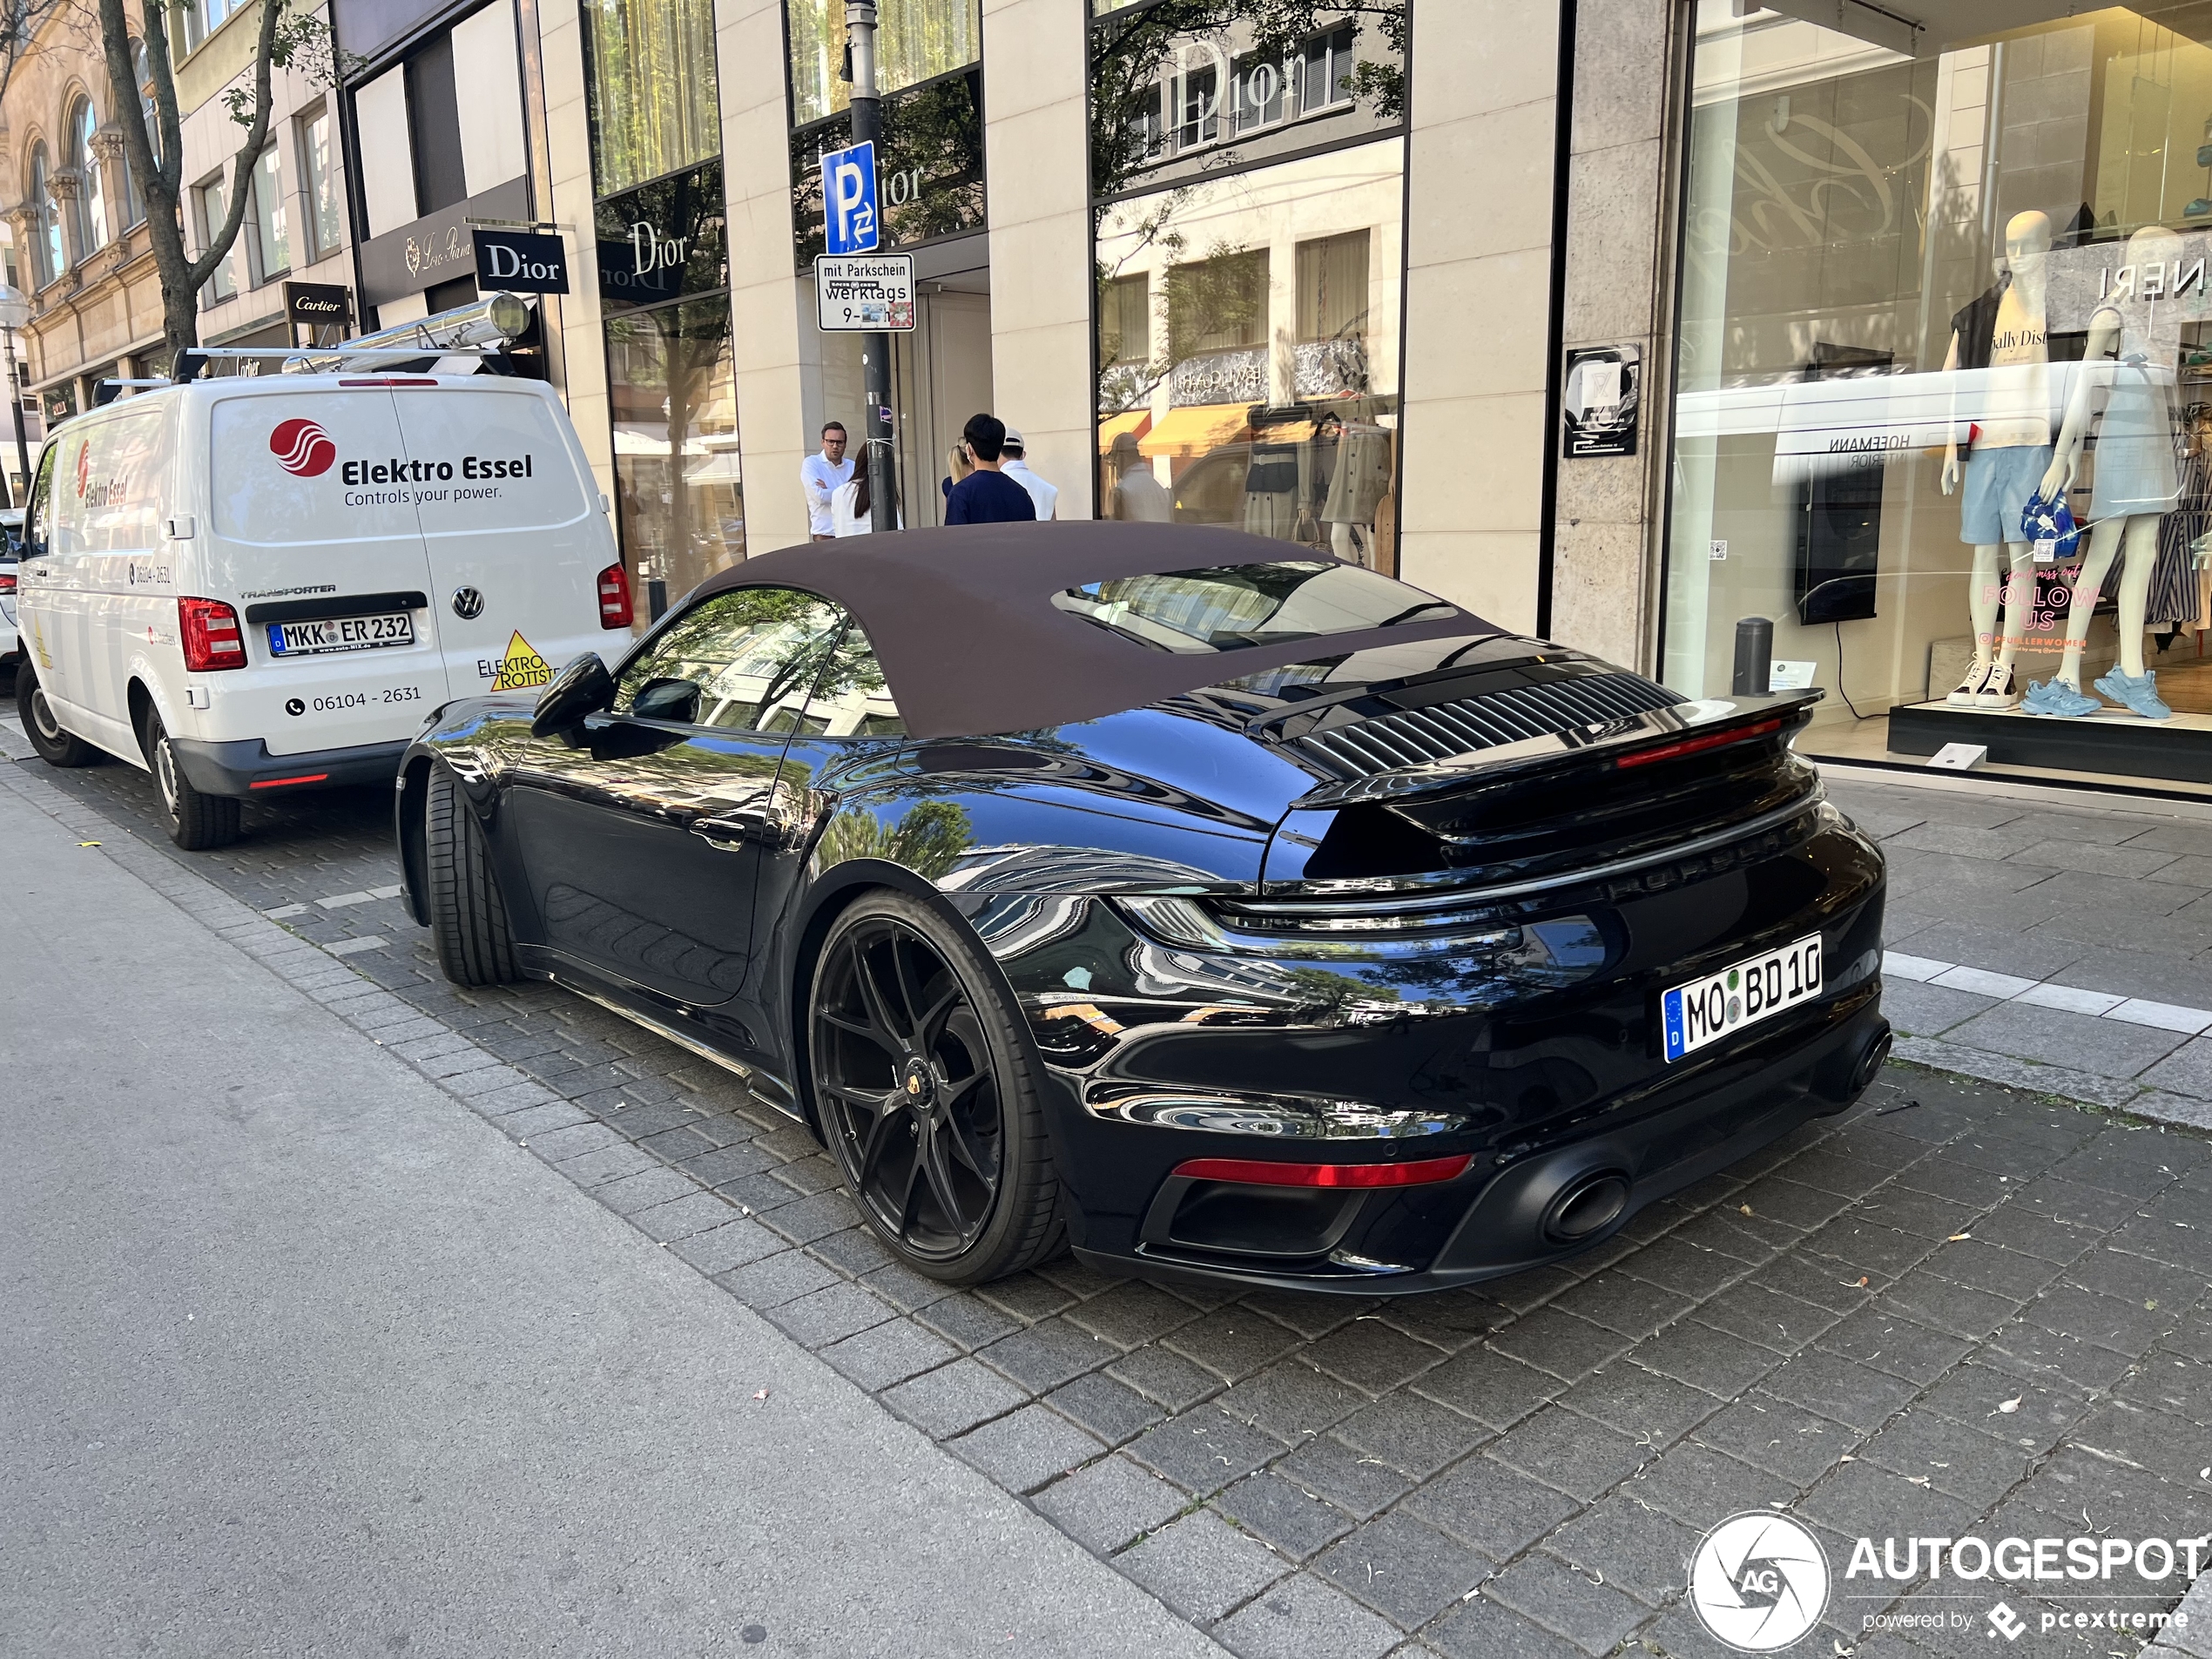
<point>14,398</point>
<point>875,349</point>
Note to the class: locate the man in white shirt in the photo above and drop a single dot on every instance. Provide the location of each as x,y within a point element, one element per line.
<point>1013,453</point>
<point>821,476</point>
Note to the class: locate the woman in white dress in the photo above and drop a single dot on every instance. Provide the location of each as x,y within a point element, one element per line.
<point>852,508</point>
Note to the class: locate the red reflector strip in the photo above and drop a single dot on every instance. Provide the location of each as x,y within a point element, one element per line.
<point>1692,745</point>
<point>279,783</point>
<point>1253,1172</point>
<point>391,382</point>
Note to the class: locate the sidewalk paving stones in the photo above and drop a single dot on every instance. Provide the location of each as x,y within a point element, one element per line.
<point>1959,1306</point>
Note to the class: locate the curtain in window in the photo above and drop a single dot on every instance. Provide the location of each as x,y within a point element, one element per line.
<point>653,100</point>
<point>915,41</point>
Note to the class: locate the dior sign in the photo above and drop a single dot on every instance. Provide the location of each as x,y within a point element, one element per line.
<point>664,241</point>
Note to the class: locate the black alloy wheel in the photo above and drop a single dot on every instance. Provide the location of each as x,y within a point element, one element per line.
<point>922,1088</point>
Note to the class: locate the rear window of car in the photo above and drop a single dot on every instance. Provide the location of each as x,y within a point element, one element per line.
<point>1237,607</point>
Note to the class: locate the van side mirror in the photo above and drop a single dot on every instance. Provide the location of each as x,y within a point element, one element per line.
<point>583,687</point>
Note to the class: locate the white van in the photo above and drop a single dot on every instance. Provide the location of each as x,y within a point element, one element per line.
<point>253,585</point>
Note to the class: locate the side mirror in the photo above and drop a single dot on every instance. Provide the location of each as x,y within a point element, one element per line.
<point>583,687</point>
<point>667,699</point>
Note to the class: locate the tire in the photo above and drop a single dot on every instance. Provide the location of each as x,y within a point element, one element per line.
<point>197,822</point>
<point>925,1091</point>
<point>56,746</point>
<point>468,915</point>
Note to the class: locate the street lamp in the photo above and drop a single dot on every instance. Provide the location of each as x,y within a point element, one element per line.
<point>15,311</point>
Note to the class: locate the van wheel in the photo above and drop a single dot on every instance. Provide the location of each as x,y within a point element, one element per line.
<point>56,746</point>
<point>468,916</point>
<point>197,822</point>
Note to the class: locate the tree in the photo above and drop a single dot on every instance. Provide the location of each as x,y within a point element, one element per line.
<point>157,158</point>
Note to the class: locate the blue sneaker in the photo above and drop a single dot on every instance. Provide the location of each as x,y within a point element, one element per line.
<point>2140,694</point>
<point>2057,697</point>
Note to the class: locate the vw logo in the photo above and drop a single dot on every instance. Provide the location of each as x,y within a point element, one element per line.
<point>1759,1581</point>
<point>467,603</point>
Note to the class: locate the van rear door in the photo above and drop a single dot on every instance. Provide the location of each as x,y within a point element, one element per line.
<point>512,529</point>
<point>313,521</point>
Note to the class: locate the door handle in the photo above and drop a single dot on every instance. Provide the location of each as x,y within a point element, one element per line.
<point>731,833</point>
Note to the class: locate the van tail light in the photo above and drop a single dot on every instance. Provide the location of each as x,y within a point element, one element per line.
<point>614,597</point>
<point>210,632</point>
<point>7,581</point>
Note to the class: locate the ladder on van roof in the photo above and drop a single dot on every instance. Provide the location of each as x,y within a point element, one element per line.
<point>473,333</point>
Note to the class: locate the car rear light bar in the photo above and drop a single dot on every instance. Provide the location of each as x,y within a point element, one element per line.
<point>394,379</point>
<point>1695,745</point>
<point>7,581</point>
<point>1255,1172</point>
<point>614,597</point>
<point>209,631</point>
<point>280,783</point>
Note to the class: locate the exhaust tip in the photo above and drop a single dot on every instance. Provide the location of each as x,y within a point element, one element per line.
<point>1586,1207</point>
<point>1870,1061</point>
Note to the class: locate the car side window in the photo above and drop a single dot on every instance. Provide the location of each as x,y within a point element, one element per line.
<point>741,659</point>
<point>851,697</point>
<point>42,496</point>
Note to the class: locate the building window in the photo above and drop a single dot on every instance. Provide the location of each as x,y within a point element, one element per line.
<point>1332,287</point>
<point>916,41</point>
<point>1125,322</point>
<point>214,210</point>
<point>319,182</point>
<point>1326,66</point>
<point>1218,304</point>
<point>272,239</point>
<point>654,107</point>
<point>91,209</point>
<point>134,197</point>
<point>48,257</point>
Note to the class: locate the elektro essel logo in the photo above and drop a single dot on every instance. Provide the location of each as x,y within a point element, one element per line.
<point>303,448</point>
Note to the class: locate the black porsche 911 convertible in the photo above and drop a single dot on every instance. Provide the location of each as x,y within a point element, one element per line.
<point>1174,896</point>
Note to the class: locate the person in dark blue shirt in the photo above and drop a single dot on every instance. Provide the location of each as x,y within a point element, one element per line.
<point>987,495</point>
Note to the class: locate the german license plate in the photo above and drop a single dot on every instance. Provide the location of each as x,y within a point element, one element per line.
<point>1756,989</point>
<point>339,633</point>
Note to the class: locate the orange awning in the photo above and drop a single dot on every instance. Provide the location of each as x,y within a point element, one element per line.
<point>1134,421</point>
<point>1194,430</point>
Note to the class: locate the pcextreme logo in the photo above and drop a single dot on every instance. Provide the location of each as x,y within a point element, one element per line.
<point>302,448</point>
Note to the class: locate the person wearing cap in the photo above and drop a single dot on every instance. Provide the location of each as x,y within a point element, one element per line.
<point>987,495</point>
<point>1016,467</point>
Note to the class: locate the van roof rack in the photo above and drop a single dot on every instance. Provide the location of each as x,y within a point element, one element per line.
<point>481,330</point>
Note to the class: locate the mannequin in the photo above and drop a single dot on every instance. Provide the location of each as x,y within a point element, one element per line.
<point>2136,481</point>
<point>2004,333</point>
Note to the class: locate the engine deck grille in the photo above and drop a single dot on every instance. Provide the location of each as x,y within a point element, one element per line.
<point>1421,737</point>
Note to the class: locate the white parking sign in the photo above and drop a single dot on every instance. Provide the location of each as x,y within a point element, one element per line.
<point>848,199</point>
<point>864,293</point>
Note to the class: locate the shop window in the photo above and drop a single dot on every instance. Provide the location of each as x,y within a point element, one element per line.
<point>654,108</point>
<point>679,501</point>
<point>916,41</point>
<point>1943,303</point>
<point>929,164</point>
<point>319,182</point>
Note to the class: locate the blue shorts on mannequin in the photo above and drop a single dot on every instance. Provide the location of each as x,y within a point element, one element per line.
<point>1999,485</point>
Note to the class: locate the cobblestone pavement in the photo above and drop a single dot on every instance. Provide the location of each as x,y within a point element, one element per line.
<point>1962,1308</point>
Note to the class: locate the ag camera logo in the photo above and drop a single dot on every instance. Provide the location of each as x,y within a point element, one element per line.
<point>302,448</point>
<point>1759,1581</point>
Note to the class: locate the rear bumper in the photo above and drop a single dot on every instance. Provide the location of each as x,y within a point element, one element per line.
<point>247,769</point>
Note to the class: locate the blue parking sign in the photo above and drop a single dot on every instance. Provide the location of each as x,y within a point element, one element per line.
<point>848,198</point>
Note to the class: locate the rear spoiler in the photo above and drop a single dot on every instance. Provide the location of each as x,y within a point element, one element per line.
<point>1631,740</point>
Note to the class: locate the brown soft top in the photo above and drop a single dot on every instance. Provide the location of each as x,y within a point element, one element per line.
<point>962,619</point>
